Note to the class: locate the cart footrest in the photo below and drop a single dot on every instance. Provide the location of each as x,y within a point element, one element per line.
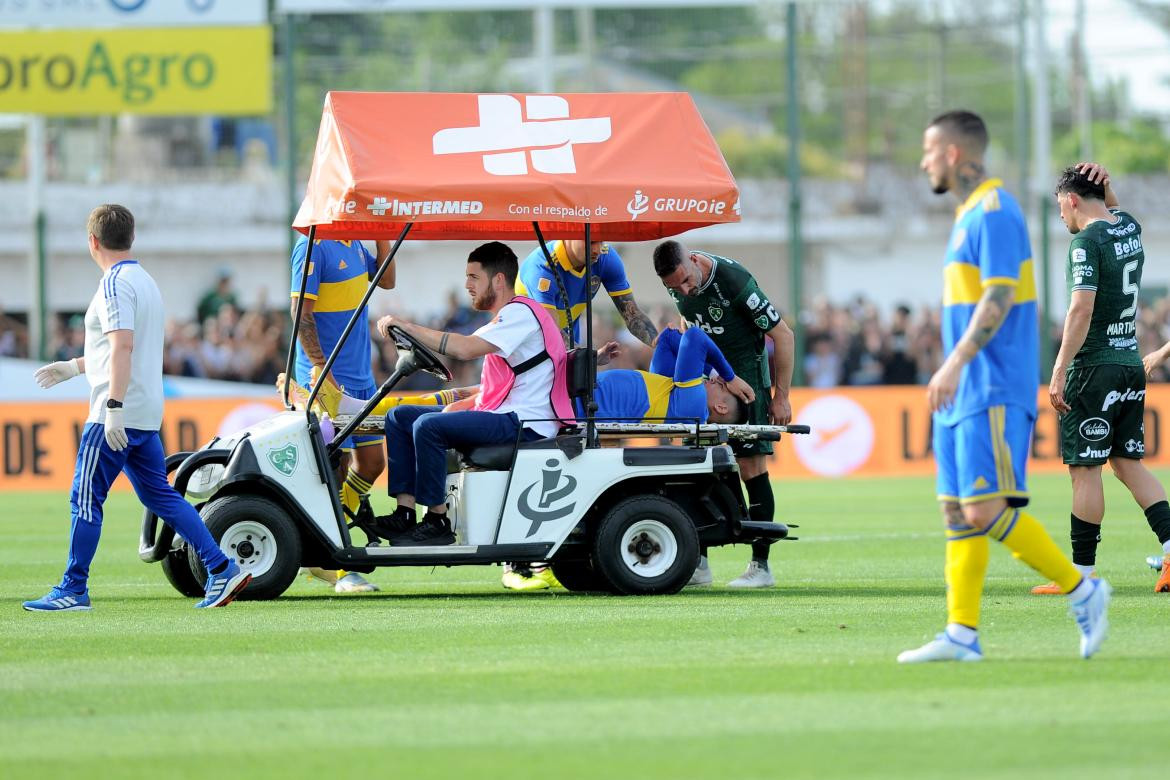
<point>758,529</point>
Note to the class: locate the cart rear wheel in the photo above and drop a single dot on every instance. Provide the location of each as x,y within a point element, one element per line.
<point>645,545</point>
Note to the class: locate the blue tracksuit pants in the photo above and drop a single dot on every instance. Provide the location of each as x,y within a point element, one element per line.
<point>145,465</point>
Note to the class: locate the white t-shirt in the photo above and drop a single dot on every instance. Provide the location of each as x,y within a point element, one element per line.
<point>516,334</point>
<point>126,299</point>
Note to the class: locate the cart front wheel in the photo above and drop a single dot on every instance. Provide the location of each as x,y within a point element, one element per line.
<point>259,536</point>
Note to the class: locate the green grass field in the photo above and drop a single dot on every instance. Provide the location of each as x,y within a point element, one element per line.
<point>444,674</point>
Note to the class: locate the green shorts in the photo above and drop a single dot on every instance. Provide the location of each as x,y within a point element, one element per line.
<point>757,415</point>
<point>1106,421</point>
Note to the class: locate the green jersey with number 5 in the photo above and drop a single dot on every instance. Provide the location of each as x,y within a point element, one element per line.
<point>732,309</point>
<point>1107,257</point>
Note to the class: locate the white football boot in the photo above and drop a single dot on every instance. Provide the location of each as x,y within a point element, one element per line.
<point>701,576</point>
<point>353,582</point>
<point>757,576</point>
<point>1092,617</point>
<point>942,648</point>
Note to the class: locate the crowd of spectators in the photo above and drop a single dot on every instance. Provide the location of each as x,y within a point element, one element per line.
<point>854,343</point>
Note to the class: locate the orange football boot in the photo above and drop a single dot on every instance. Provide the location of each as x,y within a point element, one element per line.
<point>1052,589</point>
<point>1163,585</point>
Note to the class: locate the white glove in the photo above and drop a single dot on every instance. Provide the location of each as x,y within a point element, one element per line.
<point>115,430</point>
<point>55,373</point>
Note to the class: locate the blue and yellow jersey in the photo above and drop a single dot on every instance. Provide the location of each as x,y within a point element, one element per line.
<point>536,281</point>
<point>989,245</point>
<point>639,396</point>
<point>673,387</point>
<point>338,276</point>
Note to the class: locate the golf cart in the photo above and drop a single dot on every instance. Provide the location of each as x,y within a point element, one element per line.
<point>611,512</point>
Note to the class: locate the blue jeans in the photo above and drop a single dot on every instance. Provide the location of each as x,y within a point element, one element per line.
<point>417,440</point>
<point>144,463</point>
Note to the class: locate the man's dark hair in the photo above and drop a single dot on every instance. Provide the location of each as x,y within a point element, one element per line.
<point>967,126</point>
<point>113,226</point>
<point>668,256</point>
<point>1072,180</point>
<point>496,258</point>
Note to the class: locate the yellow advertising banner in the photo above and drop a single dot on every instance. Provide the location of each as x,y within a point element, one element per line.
<point>172,71</point>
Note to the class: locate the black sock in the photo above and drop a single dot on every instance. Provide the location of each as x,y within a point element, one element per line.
<point>1158,516</point>
<point>221,568</point>
<point>761,507</point>
<point>1085,537</point>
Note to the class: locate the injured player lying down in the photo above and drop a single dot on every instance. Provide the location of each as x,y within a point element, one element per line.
<point>676,388</point>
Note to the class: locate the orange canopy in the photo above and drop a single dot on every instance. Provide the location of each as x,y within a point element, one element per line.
<point>636,166</point>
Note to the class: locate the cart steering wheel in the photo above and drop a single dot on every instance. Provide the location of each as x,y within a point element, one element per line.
<point>416,357</point>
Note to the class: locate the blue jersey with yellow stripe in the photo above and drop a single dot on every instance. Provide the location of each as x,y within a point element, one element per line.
<point>536,280</point>
<point>339,273</point>
<point>989,245</point>
<point>639,396</point>
<point>673,387</point>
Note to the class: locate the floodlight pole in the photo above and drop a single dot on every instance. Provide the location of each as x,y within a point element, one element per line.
<point>795,239</point>
<point>38,305</point>
<point>1021,110</point>
<point>544,31</point>
<point>1042,144</point>
<point>290,119</point>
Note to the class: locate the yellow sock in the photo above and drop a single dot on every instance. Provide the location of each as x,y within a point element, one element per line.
<point>1026,538</point>
<point>441,398</point>
<point>966,565</point>
<point>352,491</point>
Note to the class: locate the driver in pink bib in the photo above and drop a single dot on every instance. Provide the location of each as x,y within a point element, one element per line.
<point>523,394</point>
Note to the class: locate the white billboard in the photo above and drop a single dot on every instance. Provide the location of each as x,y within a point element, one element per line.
<point>371,6</point>
<point>131,13</point>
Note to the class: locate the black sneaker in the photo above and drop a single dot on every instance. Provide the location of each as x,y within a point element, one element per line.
<point>434,530</point>
<point>401,521</point>
<point>365,520</point>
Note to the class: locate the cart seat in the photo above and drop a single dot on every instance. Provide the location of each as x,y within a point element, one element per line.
<point>494,457</point>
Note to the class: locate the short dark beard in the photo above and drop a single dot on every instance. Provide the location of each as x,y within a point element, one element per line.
<point>968,177</point>
<point>486,302</point>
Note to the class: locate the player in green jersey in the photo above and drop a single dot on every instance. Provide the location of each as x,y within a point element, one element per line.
<point>1098,383</point>
<point>722,297</point>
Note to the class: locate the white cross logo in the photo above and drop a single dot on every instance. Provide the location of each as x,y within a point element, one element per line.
<point>507,139</point>
<point>379,207</point>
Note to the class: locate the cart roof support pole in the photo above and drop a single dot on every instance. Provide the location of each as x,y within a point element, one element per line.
<point>359,312</point>
<point>296,328</point>
<point>591,439</point>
